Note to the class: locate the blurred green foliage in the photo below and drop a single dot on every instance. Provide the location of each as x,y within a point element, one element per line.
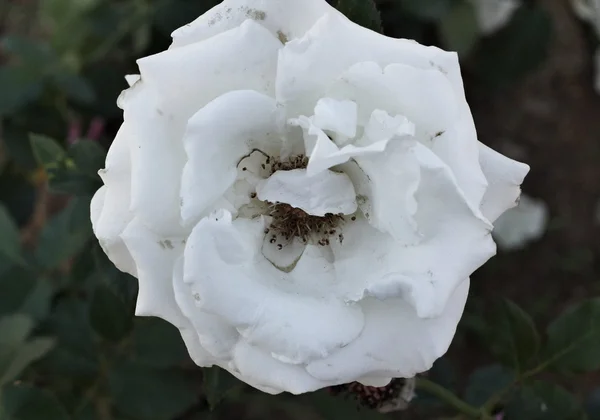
<point>70,346</point>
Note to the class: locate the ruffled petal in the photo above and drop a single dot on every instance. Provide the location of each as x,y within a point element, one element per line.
<point>155,258</point>
<point>387,183</point>
<point>271,309</point>
<point>257,367</point>
<point>325,192</point>
<point>110,211</point>
<point>307,66</point>
<point>286,19</point>
<point>395,342</point>
<point>216,337</point>
<point>325,154</point>
<point>455,243</point>
<point>218,137</point>
<point>242,58</point>
<point>424,96</point>
<point>504,176</point>
<point>339,117</point>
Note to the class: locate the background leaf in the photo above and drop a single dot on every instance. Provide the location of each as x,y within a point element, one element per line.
<point>574,338</point>
<point>21,402</point>
<point>514,337</point>
<point>363,12</point>
<point>146,393</point>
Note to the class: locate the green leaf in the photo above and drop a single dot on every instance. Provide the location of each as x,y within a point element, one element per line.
<point>158,343</point>
<point>485,382</point>
<point>71,229</point>
<point>362,12</point>
<point>16,140</point>
<point>574,338</point>
<point>20,86</point>
<point>10,240</point>
<point>22,402</point>
<point>519,47</point>
<point>88,156</point>
<point>218,384</point>
<point>24,355</point>
<point>431,10</point>
<point>22,291</point>
<point>47,151</point>
<point>15,352</point>
<point>144,393</point>
<point>459,28</point>
<point>109,315</point>
<point>14,329</point>
<point>544,401</point>
<point>75,354</point>
<point>74,87</point>
<point>514,337</point>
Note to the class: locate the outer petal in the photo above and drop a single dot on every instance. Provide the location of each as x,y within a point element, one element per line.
<point>155,258</point>
<point>217,138</point>
<point>395,341</point>
<point>505,177</point>
<point>308,66</point>
<point>258,368</point>
<point>271,310</point>
<point>216,336</point>
<point>157,158</point>
<point>110,212</point>
<point>188,78</point>
<point>286,19</point>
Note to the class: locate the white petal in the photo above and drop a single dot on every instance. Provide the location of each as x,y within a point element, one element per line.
<point>379,131</point>
<point>155,258</point>
<point>286,19</point>
<point>395,341</point>
<point>326,192</point>
<point>188,78</point>
<point>217,138</point>
<point>425,96</point>
<point>521,224</point>
<point>258,367</point>
<point>157,158</point>
<point>388,183</point>
<point>215,336</point>
<point>224,265</point>
<point>132,79</point>
<point>504,176</point>
<point>110,211</point>
<point>283,253</point>
<point>492,15</point>
<point>336,116</point>
<point>382,126</point>
<point>455,243</point>
<point>308,66</point>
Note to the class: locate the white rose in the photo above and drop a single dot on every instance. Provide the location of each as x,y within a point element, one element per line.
<point>364,271</point>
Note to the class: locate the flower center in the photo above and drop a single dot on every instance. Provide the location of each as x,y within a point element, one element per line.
<point>291,222</point>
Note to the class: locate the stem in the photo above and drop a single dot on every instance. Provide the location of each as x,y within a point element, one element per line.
<point>449,398</point>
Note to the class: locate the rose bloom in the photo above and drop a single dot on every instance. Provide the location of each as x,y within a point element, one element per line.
<point>303,198</point>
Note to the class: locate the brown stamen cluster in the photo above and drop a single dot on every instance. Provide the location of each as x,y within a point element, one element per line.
<point>370,396</point>
<point>294,162</point>
<point>293,222</point>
